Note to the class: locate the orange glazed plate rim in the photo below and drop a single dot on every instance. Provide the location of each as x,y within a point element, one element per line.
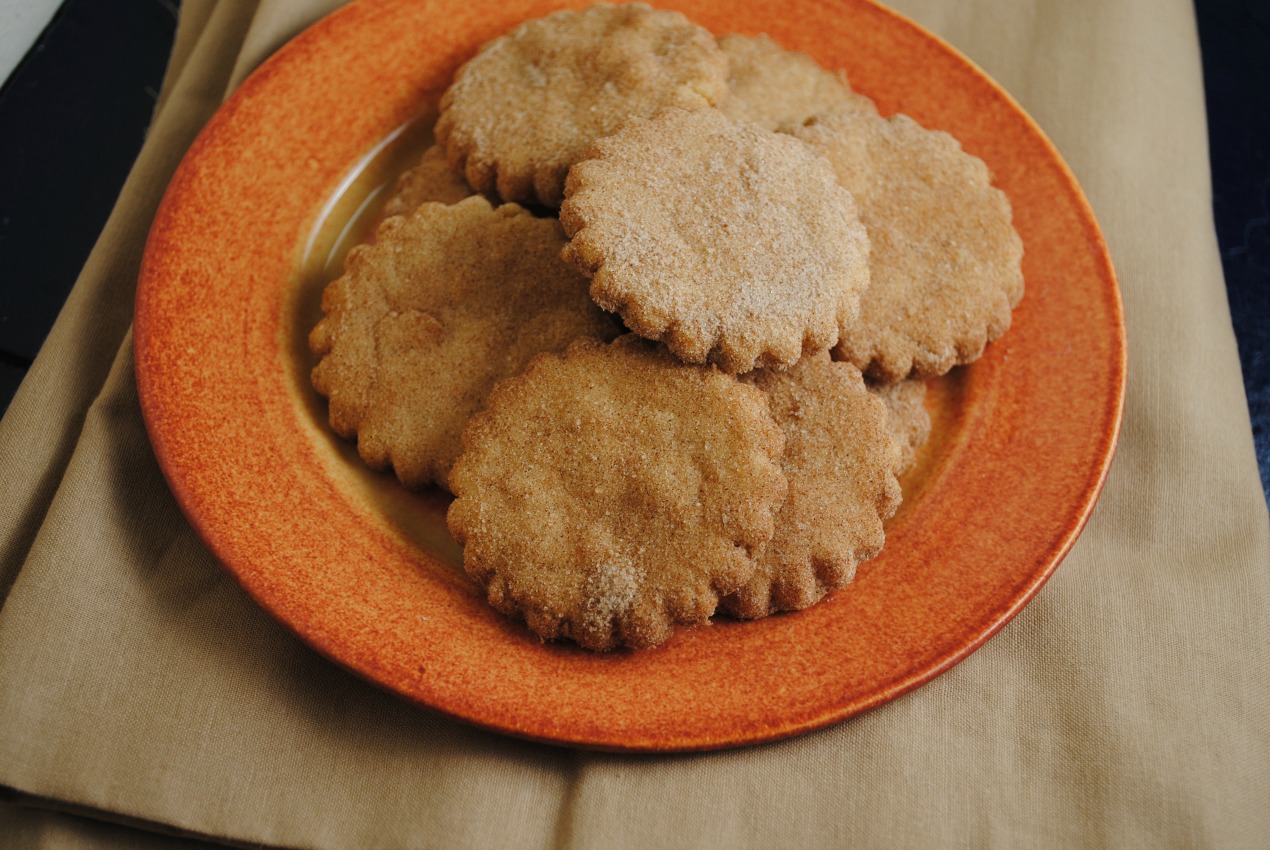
<point>1024,437</point>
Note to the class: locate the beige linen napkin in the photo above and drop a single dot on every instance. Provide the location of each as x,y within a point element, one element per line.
<point>1127,706</point>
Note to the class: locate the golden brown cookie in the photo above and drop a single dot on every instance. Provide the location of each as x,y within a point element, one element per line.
<point>946,261</point>
<point>432,180</point>
<point>732,244</point>
<point>446,302</point>
<point>774,87</point>
<point>840,459</point>
<point>528,105</point>
<point>610,493</point>
<point>906,417</point>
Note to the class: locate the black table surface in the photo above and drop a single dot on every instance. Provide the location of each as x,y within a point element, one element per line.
<point>73,116</point>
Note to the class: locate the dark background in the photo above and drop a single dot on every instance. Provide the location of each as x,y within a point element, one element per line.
<point>73,116</point>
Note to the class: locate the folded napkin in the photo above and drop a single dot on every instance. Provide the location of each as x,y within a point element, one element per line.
<point>1128,705</point>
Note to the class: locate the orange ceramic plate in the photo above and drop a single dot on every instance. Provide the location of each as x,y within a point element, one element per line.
<point>366,573</point>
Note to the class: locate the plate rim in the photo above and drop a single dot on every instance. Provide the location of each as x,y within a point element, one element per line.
<point>148,329</point>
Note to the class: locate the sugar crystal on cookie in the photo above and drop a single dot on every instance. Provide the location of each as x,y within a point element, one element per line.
<point>731,244</point>
<point>528,105</point>
<point>445,303</point>
<point>589,506</point>
<point>946,261</point>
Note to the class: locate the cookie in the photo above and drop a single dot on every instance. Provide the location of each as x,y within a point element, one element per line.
<point>432,180</point>
<point>906,417</point>
<point>946,260</point>
<point>529,104</point>
<point>732,244</point>
<point>611,493</point>
<point>840,459</point>
<point>422,324</point>
<point>774,87</point>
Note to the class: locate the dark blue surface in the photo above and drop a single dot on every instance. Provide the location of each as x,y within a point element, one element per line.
<point>73,116</point>
<point>1235,43</point>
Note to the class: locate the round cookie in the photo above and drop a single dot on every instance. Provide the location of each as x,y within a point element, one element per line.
<point>906,417</point>
<point>732,244</point>
<point>528,105</point>
<point>840,459</point>
<point>946,262</point>
<point>610,493</point>
<point>772,87</point>
<point>422,324</point>
<point>431,181</point>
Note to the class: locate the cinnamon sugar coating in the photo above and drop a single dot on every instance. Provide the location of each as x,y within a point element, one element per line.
<point>773,87</point>
<point>906,417</point>
<point>422,324</point>
<point>430,181</point>
<point>732,244</point>
<point>946,260</point>
<point>611,493</point>
<point>840,459</point>
<point>528,105</point>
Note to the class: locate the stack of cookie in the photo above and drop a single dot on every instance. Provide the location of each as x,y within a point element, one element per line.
<point>601,312</point>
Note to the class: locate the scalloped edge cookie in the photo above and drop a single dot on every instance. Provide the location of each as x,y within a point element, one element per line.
<point>774,87</point>
<point>946,261</point>
<point>530,103</point>
<point>610,493</point>
<point>840,458</point>
<point>431,180</point>
<point>906,417</point>
<point>732,244</point>
<point>424,321</point>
